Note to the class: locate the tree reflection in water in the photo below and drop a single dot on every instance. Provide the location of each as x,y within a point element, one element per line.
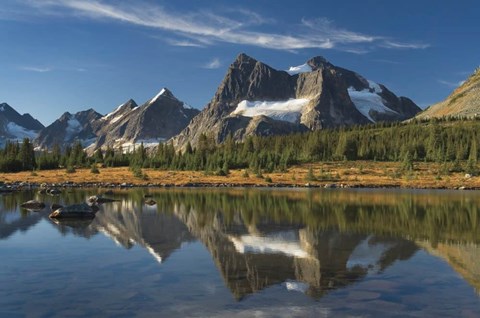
<point>311,241</point>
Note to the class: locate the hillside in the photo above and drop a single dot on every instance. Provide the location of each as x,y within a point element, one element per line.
<point>463,102</point>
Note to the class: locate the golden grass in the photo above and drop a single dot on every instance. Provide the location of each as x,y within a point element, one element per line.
<point>358,173</point>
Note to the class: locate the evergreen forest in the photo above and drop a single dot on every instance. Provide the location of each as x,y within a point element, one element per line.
<point>452,141</point>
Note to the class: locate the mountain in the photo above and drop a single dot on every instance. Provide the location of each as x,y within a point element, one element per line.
<point>311,96</point>
<point>14,126</point>
<point>463,102</point>
<point>159,119</point>
<point>68,129</point>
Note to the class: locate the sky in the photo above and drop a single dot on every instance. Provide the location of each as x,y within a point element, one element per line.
<point>72,55</point>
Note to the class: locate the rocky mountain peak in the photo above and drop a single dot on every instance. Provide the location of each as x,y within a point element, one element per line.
<point>128,105</point>
<point>256,99</point>
<point>244,59</point>
<point>65,116</point>
<point>5,107</point>
<point>167,93</point>
<point>318,62</point>
<point>163,94</point>
<point>249,79</point>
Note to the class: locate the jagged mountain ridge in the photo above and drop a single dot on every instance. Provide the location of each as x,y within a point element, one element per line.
<point>14,126</point>
<point>313,96</point>
<point>464,101</point>
<point>159,119</point>
<point>253,99</point>
<point>68,129</point>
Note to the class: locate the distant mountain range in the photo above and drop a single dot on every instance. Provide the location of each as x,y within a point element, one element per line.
<point>159,119</point>
<point>252,99</point>
<point>463,102</point>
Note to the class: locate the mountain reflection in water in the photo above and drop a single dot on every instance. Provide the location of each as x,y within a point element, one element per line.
<point>308,241</point>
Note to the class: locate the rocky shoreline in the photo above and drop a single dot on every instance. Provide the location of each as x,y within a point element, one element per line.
<point>20,185</point>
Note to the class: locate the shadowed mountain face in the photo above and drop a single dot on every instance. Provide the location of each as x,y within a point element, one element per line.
<point>309,242</point>
<point>463,102</point>
<point>255,99</point>
<point>14,126</point>
<point>68,129</point>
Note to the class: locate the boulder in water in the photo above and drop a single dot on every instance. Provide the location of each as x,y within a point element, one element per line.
<point>99,199</point>
<point>150,202</point>
<point>82,210</point>
<point>33,205</point>
<point>54,191</point>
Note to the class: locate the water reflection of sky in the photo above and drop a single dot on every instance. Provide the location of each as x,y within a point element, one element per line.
<point>191,262</point>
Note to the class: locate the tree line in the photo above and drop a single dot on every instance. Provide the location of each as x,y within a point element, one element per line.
<point>444,141</point>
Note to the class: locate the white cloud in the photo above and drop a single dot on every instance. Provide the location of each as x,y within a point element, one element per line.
<point>185,43</point>
<point>207,28</point>
<point>451,84</point>
<point>213,64</point>
<point>398,45</point>
<point>35,69</point>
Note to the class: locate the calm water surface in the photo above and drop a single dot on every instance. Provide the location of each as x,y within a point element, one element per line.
<point>244,253</point>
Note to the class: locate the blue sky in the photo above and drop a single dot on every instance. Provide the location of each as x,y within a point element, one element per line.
<point>71,55</point>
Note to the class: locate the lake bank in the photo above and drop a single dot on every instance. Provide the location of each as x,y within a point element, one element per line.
<point>351,174</point>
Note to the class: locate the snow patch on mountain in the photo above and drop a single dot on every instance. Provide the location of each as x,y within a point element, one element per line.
<point>2,108</point>
<point>73,127</point>
<point>157,96</point>
<point>130,146</point>
<point>368,99</point>
<point>375,87</point>
<point>113,113</point>
<point>304,68</point>
<point>20,132</point>
<point>289,110</point>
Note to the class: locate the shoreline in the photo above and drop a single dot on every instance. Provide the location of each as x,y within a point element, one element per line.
<point>20,185</point>
<point>352,174</point>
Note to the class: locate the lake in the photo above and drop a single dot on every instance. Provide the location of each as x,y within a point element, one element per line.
<point>243,253</point>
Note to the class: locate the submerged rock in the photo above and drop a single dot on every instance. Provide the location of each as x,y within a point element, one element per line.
<point>82,210</point>
<point>33,205</point>
<point>150,202</point>
<point>54,191</point>
<point>99,199</point>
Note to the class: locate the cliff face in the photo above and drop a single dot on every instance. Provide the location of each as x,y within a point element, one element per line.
<point>254,98</point>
